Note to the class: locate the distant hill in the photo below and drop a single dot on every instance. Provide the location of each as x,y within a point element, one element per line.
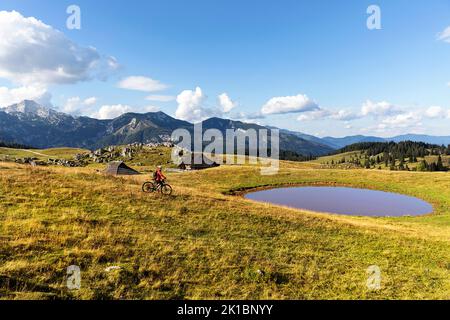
<point>29,123</point>
<point>289,140</point>
<point>404,155</point>
<point>338,143</point>
<point>408,149</point>
<point>439,140</point>
<point>13,145</point>
<point>320,143</point>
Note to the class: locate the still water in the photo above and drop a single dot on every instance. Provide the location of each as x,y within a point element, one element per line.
<point>348,201</point>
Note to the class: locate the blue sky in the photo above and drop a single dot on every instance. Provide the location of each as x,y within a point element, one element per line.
<point>310,66</point>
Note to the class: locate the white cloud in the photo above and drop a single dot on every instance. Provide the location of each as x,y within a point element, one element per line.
<point>90,101</point>
<point>111,111</point>
<point>289,104</point>
<point>340,115</point>
<point>160,98</point>
<point>15,95</point>
<point>141,83</point>
<point>314,115</point>
<point>410,121</point>
<point>191,106</point>
<point>116,110</point>
<point>32,52</point>
<point>404,120</point>
<point>435,112</point>
<point>150,109</point>
<point>444,35</point>
<point>226,103</point>
<point>344,115</point>
<point>77,106</point>
<point>72,105</point>
<point>378,109</point>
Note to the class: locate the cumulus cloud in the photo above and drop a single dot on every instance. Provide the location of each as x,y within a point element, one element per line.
<point>289,104</point>
<point>226,103</point>
<point>90,101</point>
<point>378,109</point>
<point>160,98</point>
<point>15,95</point>
<point>410,120</point>
<point>141,83</point>
<point>344,115</point>
<point>319,114</point>
<point>32,52</point>
<point>77,106</point>
<point>72,105</point>
<point>191,106</point>
<point>314,115</point>
<point>434,112</point>
<point>111,111</point>
<point>444,35</point>
<point>116,110</point>
<point>404,120</point>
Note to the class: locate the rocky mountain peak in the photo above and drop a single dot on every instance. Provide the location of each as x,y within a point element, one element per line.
<point>30,108</point>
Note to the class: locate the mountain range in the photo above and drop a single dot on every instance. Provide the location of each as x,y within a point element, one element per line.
<point>339,143</point>
<point>29,123</point>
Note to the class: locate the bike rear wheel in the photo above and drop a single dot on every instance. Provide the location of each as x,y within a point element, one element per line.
<point>148,187</point>
<point>166,190</point>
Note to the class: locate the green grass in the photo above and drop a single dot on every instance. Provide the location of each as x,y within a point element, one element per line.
<point>62,153</point>
<point>201,243</point>
<point>44,154</point>
<point>359,155</point>
<point>338,157</point>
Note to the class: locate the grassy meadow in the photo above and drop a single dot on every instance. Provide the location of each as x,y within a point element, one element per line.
<point>44,154</point>
<point>206,241</point>
<point>341,160</point>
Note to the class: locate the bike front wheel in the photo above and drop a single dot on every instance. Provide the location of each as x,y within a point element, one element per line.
<point>166,190</point>
<point>148,187</point>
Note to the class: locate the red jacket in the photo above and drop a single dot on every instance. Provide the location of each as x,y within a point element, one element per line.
<point>160,176</point>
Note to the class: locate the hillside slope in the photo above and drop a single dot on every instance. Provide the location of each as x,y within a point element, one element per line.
<point>202,244</point>
<point>32,124</point>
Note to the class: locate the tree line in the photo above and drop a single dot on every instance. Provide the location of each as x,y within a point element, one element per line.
<point>294,156</point>
<point>13,145</point>
<point>397,156</point>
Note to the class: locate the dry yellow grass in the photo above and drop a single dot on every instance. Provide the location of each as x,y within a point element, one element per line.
<point>203,243</point>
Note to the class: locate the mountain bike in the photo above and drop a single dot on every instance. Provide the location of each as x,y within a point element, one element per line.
<point>152,186</point>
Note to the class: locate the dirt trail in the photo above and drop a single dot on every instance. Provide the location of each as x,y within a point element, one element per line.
<point>35,152</point>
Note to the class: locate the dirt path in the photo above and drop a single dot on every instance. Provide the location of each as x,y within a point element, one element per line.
<point>35,152</point>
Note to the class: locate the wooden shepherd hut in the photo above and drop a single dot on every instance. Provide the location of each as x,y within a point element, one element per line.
<point>119,168</point>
